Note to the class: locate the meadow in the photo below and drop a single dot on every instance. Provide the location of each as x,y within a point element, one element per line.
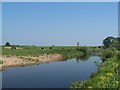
<point>66,51</point>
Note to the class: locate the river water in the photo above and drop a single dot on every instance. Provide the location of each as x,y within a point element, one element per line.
<point>58,74</point>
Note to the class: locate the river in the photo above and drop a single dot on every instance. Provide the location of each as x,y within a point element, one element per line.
<point>58,74</point>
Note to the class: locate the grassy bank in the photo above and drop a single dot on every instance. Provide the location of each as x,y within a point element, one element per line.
<point>66,51</point>
<point>107,75</point>
<point>37,54</point>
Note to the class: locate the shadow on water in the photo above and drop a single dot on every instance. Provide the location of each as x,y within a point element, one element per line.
<point>86,57</point>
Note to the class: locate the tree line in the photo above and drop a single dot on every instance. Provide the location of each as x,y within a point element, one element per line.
<point>109,42</point>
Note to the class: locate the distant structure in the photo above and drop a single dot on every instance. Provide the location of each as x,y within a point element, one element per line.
<point>53,45</point>
<point>78,43</point>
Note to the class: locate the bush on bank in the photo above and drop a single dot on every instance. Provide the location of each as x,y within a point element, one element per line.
<point>107,75</point>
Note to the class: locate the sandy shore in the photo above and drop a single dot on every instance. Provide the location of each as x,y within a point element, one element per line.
<point>13,61</point>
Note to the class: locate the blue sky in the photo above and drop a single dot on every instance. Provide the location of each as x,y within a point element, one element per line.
<point>59,23</point>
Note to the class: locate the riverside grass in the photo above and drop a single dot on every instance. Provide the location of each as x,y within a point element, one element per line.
<point>107,75</point>
<point>35,50</point>
<point>66,51</point>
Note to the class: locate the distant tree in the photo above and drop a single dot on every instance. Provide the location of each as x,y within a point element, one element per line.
<point>116,43</point>
<point>78,43</point>
<point>53,45</point>
<point>107,42</point>
<point>7,44</point>
<point>111,42</point>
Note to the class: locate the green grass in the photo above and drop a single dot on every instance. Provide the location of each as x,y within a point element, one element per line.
<point>1,62</point>
<point>66,51</point>
<point>106,77</point>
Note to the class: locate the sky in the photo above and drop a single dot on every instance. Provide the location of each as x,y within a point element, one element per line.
<point>58,24</point>
<point>60,0</point>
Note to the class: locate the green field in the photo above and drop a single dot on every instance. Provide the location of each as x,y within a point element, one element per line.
<point>66,51</point>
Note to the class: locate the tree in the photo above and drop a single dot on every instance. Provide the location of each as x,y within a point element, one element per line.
<point>78,43</point>
<point>107,42</point>
<point>116,43</point>
<point>111,42</point>
<point>53,45</point>
<point>7,44</point>
<point>118,38</point>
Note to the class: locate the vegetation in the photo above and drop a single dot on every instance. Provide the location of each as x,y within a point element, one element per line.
<point>108,74</point>
<point>7,44</point>
<point>1,62</point>
<point>66,51</point>
<point>107,53</point>
<point>112,42</point>
<point>106,77</point>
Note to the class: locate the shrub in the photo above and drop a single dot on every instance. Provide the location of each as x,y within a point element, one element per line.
<point>42,48</point>
<point>68,50</point>
<point>50,48</point>
<point>107,54</point>
<point>85,50</point>
<point>118,55</point>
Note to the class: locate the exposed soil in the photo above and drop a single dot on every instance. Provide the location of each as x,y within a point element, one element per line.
<point>13,61</point>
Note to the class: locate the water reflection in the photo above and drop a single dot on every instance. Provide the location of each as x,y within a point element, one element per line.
<point>85,57</point>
